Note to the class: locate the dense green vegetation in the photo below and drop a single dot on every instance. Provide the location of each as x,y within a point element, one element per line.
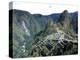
<point>38,35</point>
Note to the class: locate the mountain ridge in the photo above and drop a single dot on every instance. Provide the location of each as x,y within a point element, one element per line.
<point>41,28</point>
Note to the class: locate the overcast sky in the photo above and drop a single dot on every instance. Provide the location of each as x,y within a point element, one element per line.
<point>43,8</point>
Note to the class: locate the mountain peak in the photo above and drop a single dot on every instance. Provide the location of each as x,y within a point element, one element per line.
<point>65,14</point>
<point>65,11</point>
<point>65,19</point>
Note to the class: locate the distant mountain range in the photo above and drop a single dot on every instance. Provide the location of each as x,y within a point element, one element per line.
<point>30,29</point>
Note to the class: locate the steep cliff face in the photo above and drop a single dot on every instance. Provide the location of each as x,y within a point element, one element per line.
<point>34,34</point>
